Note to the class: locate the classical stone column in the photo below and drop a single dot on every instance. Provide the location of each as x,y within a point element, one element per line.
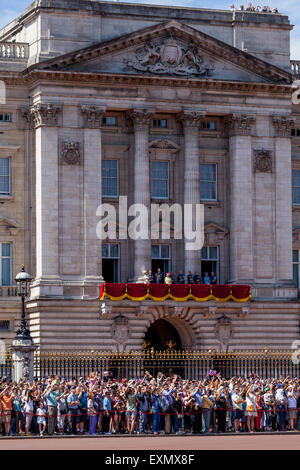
<point>240,129</point>
<point>45,119</point>
<point>92,121</point>
<point>191,122</point>
<point>283,199</point>
<point>142,246</point>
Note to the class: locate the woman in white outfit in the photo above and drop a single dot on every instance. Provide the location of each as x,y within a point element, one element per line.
<point>28,409</point>
<point>251,410</point>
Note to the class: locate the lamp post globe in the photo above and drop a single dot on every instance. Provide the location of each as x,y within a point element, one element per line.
<point>23,280</point>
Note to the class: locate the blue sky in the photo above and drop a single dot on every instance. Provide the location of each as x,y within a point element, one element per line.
<point>10,10</point>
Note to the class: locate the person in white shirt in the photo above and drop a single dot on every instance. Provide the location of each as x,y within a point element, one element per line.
<point>28,409</point>
<point>237,405</point>
<point>292,405</point>
<point>251,411</point>
<point>41,418</point>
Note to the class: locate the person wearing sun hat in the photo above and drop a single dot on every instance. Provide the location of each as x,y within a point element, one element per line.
<point>168,279</point>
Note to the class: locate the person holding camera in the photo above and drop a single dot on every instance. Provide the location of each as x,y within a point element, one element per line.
<point>51,395</point>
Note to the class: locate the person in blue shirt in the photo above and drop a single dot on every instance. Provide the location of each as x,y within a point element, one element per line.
<point>197,395</point>
<point>73,405</point>
<point>158,276</point>
<point>107,413</point>
<point>156,410</point>
<point>206,278</point>
<point>213,278</point>
<point>51,397</point>
<point>145,400</point>
<point>82,408</point>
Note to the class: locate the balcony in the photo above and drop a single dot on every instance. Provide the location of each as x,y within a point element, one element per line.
<point>8,291</point>
<point>295,67</point>
<point>15,51</point>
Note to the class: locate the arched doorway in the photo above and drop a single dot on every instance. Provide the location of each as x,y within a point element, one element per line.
<point>162,335</point>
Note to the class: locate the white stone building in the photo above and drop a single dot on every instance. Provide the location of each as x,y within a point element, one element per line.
<point>162,105</point>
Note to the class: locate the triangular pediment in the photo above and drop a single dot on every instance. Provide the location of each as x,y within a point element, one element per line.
<point>212,227</point>
<point>171,49</point>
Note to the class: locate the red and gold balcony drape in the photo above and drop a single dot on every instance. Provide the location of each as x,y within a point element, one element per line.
<point>179,292</point>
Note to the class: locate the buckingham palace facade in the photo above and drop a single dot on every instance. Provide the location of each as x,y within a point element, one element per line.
<point>163,105</point>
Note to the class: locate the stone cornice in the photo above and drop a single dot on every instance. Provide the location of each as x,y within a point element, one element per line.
<point>239,124</point>
<point>99,79</point>
<point>92,116</point>
<point>283,125</point>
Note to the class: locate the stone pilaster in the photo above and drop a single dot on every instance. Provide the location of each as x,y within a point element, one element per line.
<point>23,360</point>
<point>240,129</point>
<point>283,198</point>
<point>45,119</point>
<point>92,121</point>
<point>142,246</point>
<point>191,122</point>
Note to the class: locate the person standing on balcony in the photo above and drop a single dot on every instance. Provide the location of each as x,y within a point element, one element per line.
<point>180,278</point>
<point>158,276</point>
<point>168,279</point>
<point>206,278</point>
<point>213,278</point>
<point>190,278</point>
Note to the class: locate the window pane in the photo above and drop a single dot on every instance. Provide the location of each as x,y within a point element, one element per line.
<point>5,249</point>
<point>109,178</point>
<point>164,251</point>
<point>207,190</point>
<point>114,251</point>
<point>213,252</point>
<point>208,187</point>
<point>296,274</point>
<point>5,271</point>
<point>204,252</point>
<point>208,172</point>
<point>295,256</point>
<point>296,195</point>
<point>296,177</point>
<point>160,179</point>
<point>155,251</point>
<point>4,175</point>
<point>105,251</point>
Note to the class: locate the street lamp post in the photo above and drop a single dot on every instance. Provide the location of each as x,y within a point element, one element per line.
<point>23,347</point>
<point>23,280</point>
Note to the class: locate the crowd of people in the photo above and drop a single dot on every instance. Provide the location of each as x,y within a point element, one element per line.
<point>157,405</point>
<point>258,8</point>
<point>171,278</point>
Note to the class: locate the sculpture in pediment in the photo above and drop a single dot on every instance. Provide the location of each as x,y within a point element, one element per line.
<point>169,57</point>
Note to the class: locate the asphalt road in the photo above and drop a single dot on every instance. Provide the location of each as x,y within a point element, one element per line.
<point>285,441</point>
